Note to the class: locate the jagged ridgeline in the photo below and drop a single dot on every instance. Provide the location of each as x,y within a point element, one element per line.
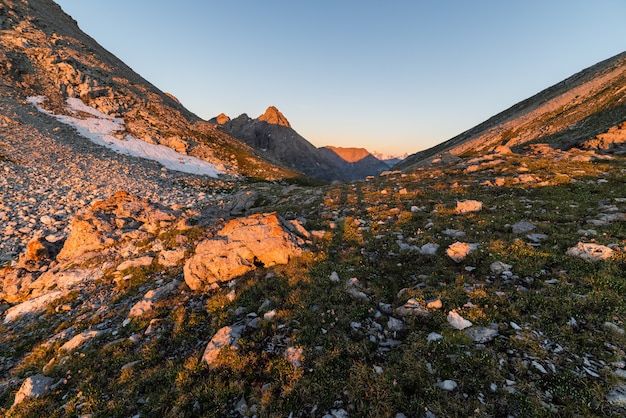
<point>151,264</point>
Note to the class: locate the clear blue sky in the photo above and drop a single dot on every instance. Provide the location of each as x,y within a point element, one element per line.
<point>394,77</point>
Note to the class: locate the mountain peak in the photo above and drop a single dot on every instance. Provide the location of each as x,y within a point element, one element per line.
<point>272,115</point>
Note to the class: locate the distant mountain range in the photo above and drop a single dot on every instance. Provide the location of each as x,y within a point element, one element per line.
<point>272,135</point>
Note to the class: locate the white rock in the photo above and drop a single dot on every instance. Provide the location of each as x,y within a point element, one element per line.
<point>294,356</point>
<point>268,316</point>
<point>448,385</point>
<point>454,233</point>
<point>433,336</point>
<point>481,335</point>
<point>590,252</point>
<point>80,339</point>
<point>334,277</point>
<point>137,262</point>
<point>614,327</point>
<point>395,324</point>
<point>539,367</point>
<point>457,321</point>
<point>429,249</point>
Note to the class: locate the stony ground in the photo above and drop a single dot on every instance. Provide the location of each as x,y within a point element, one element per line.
<point>450,291</point>
<point>50,172</point>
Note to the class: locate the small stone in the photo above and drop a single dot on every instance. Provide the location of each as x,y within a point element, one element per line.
<point>434,304</point>
<point>617,396</point>
<point>334,277</point>
<point>448,385</point>
<point>395,324</point>
<point>467,206</point>
<point>294,356</point>
<point>539,367</point>
<point>225,337</point>
<point>137,262</point>
<point>498,267</point>
<point>522,227</point>
<point>481,335</point>
<point>457,321</point>
<point>611,326</point>
<point>590,252</point>
<point>460,250</point>
<point>433,336</point>
<point>536,238</point>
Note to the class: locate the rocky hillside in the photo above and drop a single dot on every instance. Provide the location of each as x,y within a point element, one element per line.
<point>483,285</point>
<point>572,113</point>
<point>355,163</point>
<point>44,53</point>
<point>273,136</point>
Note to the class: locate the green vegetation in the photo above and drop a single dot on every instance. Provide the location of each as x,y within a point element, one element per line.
<point>553,356</point>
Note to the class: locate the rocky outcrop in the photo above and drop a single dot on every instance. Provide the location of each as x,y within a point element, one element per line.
<point>261,240</point>
<point>113,220</point>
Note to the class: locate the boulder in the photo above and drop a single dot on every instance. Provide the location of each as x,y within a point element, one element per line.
<point>39,251</point>
<point>260,240</point>
<point>33,387</point>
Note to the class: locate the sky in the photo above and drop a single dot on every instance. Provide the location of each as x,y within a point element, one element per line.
<point>393,77</point>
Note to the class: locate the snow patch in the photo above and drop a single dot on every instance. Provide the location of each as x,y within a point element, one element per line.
<point>99,128</point>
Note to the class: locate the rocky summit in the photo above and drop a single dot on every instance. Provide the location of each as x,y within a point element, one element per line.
<point>215,283</point>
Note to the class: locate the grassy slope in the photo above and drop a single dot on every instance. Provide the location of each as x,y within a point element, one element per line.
<point>345,366</point>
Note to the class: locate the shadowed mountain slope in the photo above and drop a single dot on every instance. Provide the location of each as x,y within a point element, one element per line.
<point>577,109</point>
<point>272,134</point>
<point>355,163</point>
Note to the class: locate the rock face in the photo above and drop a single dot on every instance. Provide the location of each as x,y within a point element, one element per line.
<point>241,246</point>
<point>274,117</point>
<point>355,163</point>
<point>274,137</point>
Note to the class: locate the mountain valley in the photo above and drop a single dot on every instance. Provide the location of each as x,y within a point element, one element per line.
<point>483,277</point>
